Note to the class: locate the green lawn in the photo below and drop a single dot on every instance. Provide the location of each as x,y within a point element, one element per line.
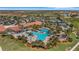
<point>62,47</point>
<point>9,44</point>
<point>74,21</point>
<point>77,49</point>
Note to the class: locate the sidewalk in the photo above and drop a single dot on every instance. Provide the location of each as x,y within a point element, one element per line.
<point>74,47</point>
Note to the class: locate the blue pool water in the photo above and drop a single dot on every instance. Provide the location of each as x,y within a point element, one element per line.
<point>41,35</point>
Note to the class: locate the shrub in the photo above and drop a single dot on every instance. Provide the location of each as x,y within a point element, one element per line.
<point>70,39</point>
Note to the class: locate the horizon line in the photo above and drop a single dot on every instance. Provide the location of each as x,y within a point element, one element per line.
<point>39,8</point>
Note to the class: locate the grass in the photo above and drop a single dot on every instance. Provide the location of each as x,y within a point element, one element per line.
<point>77,49</point>
<point>64,46</point>
<point>74,21</point>
<point>9,44</point>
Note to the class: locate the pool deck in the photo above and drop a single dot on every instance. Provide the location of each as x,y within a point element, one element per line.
<point>41,34</point>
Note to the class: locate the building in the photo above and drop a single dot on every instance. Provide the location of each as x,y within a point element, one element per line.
<point>2,28</point>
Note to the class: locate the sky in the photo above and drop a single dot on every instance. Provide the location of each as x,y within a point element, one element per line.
<point>39,8</point>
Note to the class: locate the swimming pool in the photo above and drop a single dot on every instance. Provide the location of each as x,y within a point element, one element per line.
<point>41,34</point>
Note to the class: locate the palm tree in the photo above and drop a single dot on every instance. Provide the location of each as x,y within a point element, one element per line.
<point>38,44</point>
<point>24,39</point>
<point>71,27</point>
<point>20,38</point>
<point>70,39</point>
<point>52,42</point>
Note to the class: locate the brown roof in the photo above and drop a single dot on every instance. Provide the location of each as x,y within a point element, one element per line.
<point>2,28</point>
<point>34,23</point>
<point>15,28</point>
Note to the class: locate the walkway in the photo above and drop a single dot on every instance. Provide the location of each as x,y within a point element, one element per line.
<point>75,47</point>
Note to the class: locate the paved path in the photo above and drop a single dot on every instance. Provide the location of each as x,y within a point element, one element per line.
<point>73,48</point>
<point>0,48</point>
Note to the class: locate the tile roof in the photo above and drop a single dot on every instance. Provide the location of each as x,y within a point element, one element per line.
<point>2,28</point>
<point>15,28</point>
<point>34,23</point>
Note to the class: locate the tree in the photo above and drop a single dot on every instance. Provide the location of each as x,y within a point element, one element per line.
<point>70,39</point>
<point>38,44</point>
<point>20,38</point>
<point>52,42</point>
<point>71,27</point>
<point>36,26</point>
<point>24,39</point>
